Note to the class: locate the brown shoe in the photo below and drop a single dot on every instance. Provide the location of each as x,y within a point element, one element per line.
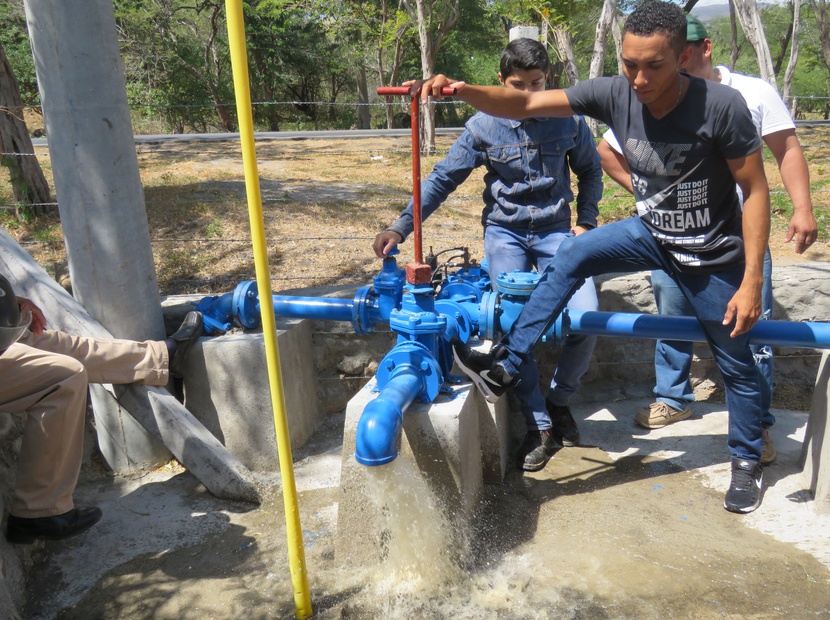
<point>659,414</point>
<point>768,452</point>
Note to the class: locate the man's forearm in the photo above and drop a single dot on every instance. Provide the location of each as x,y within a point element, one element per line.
<point>515,104</point>
<point>756,227</point>
<point>796,178</point>
<point>614,165</point>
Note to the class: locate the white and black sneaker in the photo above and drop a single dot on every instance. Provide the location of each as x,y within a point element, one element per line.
<point>746,488</point>
<point>485,370</point>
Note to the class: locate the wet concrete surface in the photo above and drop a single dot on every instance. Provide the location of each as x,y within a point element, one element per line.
<point>628,525</point>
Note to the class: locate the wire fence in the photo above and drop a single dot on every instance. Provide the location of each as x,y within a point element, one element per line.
<point>813,140</point>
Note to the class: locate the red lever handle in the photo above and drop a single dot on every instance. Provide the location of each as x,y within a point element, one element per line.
<point>416,272</point>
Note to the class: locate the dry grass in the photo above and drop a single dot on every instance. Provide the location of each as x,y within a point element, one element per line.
<point>323,202</point>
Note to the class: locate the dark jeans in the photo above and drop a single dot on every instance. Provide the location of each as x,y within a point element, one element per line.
<point>511,250</point>
<point>673,358</point>
<point>628,246</point>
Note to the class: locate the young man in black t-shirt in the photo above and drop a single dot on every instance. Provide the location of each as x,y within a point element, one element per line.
<point>687,142</point>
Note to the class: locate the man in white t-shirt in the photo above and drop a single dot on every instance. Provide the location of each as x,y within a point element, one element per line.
<point>672,359</point>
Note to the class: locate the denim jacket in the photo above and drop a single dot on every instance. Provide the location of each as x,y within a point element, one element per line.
<point>528,182</point>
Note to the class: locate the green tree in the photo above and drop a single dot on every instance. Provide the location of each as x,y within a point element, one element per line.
<point>29,187</point>
<point>176,60</point>
<point>293,58</point>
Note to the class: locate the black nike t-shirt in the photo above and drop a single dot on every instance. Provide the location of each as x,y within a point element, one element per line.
<point>684,189</point>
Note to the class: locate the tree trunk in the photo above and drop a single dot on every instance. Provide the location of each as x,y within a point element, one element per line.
<point>790,71</point>
<point>750,20</point>
<point>29,186</point>
<point>427,66</point>
<point>616,31</point>
<point>734,48</point>
<point>606,17</point>
<point>820,11</point>
<point>785,43</point>
<point>434,18</point>
<point>564,45</point>
<point>213,82</point>
<point>363,113</point>
<point>393,76</point>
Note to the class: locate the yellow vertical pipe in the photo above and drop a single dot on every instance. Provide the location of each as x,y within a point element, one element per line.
<point>239,62</point>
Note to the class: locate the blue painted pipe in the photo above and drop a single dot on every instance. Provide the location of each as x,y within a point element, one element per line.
<point>376,439</point>
<point>323,308</point>
<point>632,325</point>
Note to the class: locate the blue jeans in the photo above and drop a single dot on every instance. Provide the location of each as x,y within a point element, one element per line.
<point>625,246</point>
<point>673,358</point>
<point>510,250</point>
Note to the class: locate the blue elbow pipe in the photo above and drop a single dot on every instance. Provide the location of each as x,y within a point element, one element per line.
<point>376,440</point>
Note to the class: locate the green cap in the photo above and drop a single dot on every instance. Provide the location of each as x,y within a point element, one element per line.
<point>695,30</point>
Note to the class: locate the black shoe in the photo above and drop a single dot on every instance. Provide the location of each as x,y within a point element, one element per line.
<point>484,369</point>
<point>744,494</point>
<point>537,449</point>
<point>188,333</point>
<point>21,531</point>
<point>563,425</point>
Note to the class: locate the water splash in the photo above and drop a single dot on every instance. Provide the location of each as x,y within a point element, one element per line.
<point>422,549</point>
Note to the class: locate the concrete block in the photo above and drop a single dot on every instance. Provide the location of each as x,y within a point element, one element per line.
<point>815,454</point>
<point>494,428</point>
<point>226,388</point>
<point>439,454</point>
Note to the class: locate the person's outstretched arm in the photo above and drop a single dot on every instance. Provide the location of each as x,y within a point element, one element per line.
<point>496,100</point>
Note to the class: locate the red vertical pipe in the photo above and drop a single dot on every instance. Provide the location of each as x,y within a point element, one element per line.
<point>416,178</point>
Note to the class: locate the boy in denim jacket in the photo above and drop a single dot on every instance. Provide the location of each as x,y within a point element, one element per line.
<point>526,217</point>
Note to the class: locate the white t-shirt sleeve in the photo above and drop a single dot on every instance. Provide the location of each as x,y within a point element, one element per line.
<point>612,141</point>
<point>767,108</point>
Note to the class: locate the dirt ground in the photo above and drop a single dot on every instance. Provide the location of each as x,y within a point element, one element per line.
<point>323,202</point>
<point>629,525</point>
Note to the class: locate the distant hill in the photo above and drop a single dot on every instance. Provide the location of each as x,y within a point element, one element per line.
<point>713,11</point>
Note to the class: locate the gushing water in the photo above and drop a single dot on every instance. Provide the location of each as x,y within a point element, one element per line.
<point>422,549</point>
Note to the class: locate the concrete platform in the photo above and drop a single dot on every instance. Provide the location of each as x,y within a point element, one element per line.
<point>815,455</point>
<point>226,388</point>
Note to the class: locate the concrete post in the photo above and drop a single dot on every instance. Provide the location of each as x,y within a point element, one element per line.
<point>524,32</point>
<point>815,454</point>
<point>97,183</point>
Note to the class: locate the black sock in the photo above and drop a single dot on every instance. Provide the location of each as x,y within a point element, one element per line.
<point>172,345</point>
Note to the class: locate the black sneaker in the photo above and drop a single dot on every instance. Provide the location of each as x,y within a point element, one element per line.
<point>744,494</point>
<point>563,425</point>
<point>487,373</point>
<point>537,449</point>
